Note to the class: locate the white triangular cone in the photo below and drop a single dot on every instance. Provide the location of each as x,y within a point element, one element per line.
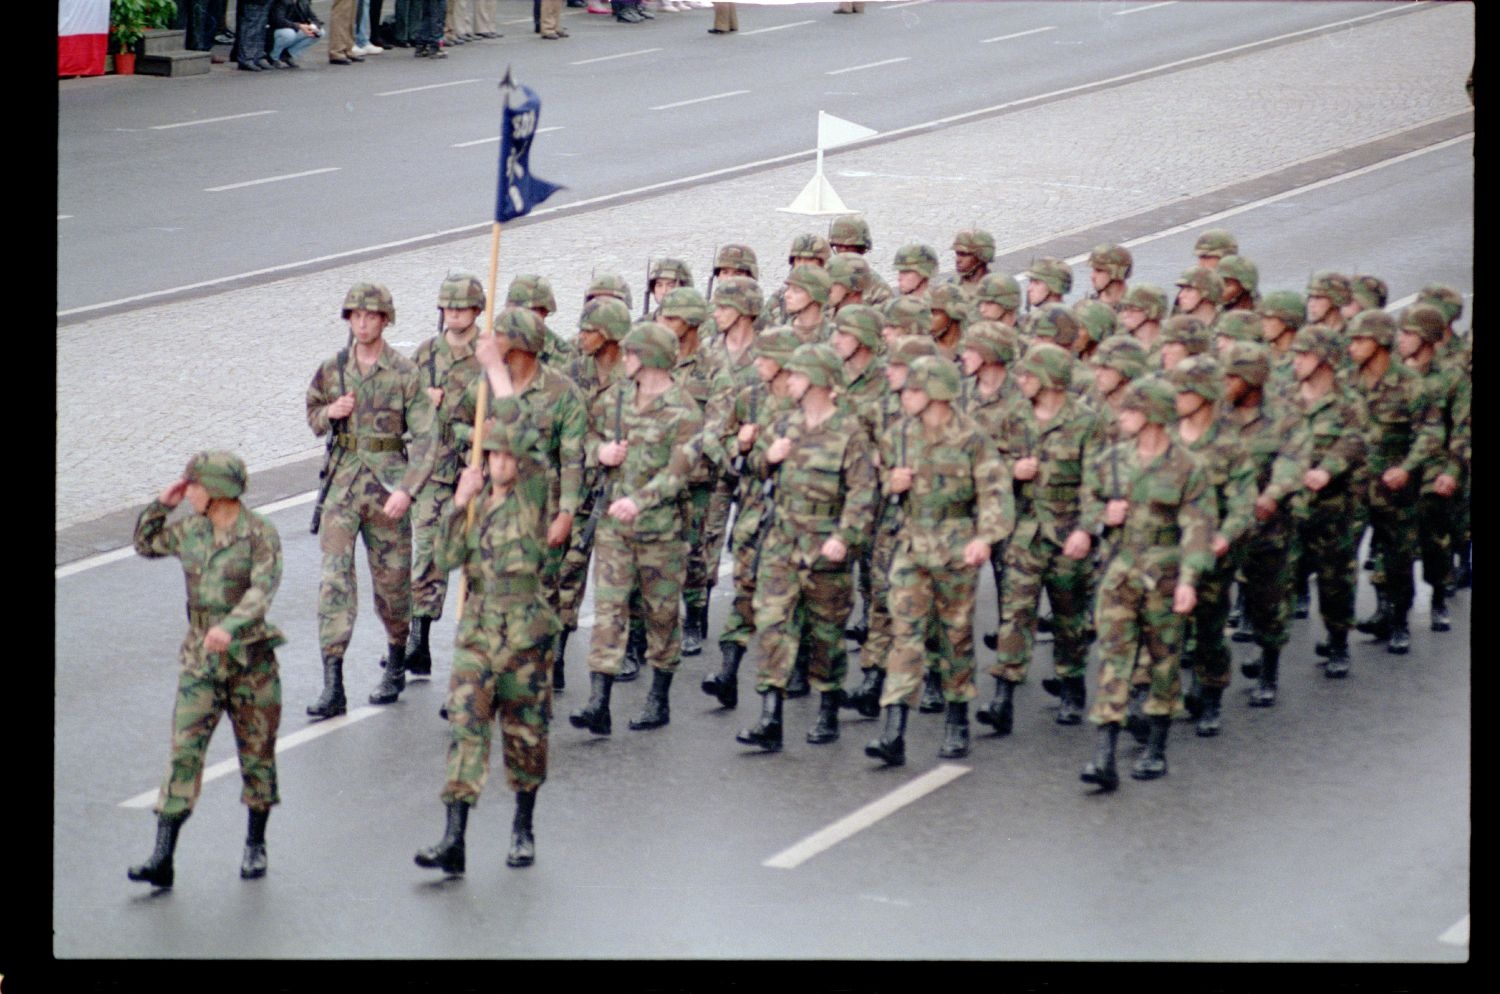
<point>817,197</point>
<point>835,131</point>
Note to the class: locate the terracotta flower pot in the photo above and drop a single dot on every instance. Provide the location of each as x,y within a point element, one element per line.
<point>124,63</point>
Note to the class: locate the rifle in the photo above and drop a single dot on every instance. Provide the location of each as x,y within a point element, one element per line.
<point>602,492</point>
<point>739,471</point>
<point>894,502</point>
<point>768,502</point>
<point>709,293</point>
<point>330,454</point>
<point>646,297</point>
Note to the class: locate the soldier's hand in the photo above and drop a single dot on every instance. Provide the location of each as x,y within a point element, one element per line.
<point>1445,485</point>
<point>624,510</point>
<point>1115,511</point>
<point>1395,478</point>
<point>746,436</point>
<point>487,351</point>
<point>613,453</point>
<point>1184,599</point>
<point>1077,544</point>
<point>834,550</point>
<point>1316,479</point>
<point>1265,508</point>
<point>1025,468</point>
<point>341,408</point>
<point>901,477</point>
<point>217,640</point>
<point>436,395</point>
<point>499,377</point>
<point>560,529</point>
<point>470,482</point>
<point>396,505</point>
<point>977,552</point>
<point>779,450</point>
<point>172,496</point>
<point>1220,546</point>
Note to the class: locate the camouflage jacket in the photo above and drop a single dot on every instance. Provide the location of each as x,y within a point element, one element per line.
<point>664,444</point>
<point>557,353</point>
<point>1329,436</point>
<point>1230,471</point>
<point>1446,387</point>
<point>696,375</point>
<point>584,372</point>
<point>230,581</point>
<point>825,487</point>
<point>1049,506</point>
<point>755,405</point>
<point>451,370</point>
<point>1169,525</point>
<point>1269,458</point>
<point>864,396</point>
<point>1403,426</point>
<point>390,406</point>
<point>995,413</point>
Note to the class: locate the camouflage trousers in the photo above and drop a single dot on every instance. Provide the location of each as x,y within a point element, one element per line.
<point>252,696</point>
<point>1208,653</point>
<point>1393,525</point>
<point>877,645</point>
<point>429,585</point>
<point>740,623</point>
<point>921,592</point>
<point>517,686</point>
<point>1069,586</point>
<point>1436,526</point>
<point>700,573</point>
<point>716,524</point>
<point>623,563</point>
<point>799,607</point>
<point>1265,565</point>
<point>387,544</point>
<point>573,573</point>
<point>1133,611</point>
<point>1328,548</point>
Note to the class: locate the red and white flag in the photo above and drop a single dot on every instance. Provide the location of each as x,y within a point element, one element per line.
<point>82,37</point>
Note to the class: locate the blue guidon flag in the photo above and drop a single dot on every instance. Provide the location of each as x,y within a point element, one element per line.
<point>519,191</point>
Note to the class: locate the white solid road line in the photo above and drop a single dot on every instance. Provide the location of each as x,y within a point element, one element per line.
<point>1458,935</point>
<point>620,55</point>
<point>491,141</point>
<point>271,179</point>
<point>1018,34</point>
<point>429,86</point>
<point>283,742</point>
<point>64,217</point>
<point>209,120</point>
<point>868,65</point>
<point>699,100</point>
<point>898,6</point>
<point>775,27</point>
<point>866,816</point>
<point>1149,6</point>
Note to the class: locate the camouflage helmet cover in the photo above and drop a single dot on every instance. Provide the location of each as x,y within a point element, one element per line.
<point>1206,281</point>
<point>220,472</point>
<point>909,348</point>
<point>609,285</point>
<point>524,329</point>
<point>1242,270</point>
<point>1000,288</point>
<point>606,315</point>
<point>1124,354</point>
<point>1200,374</point>
<point>461,290</point>
<point>935,376</point>
<point>653,343</point>
<point>1334,286</point>
<point>1250,361</point>
<point>739,292</point>
<point>1374,324</point>
<point>1115,260</point>
<point>370,297</point>
<point>1425,321</point>
<point>1058,275</point>
<point>993,341</point>
<point>737,257</point>
<point>1155,397</point>
<point>975,242</point>
<point>1055,322</point>
<point>777,344</point>
<point>860,321</point>
<point>1097,318</point>
<point>917,258</point>
<point>671,269</point>
<point>948,298</point>
<point>1370,291</point>
<point>819,363</point>
<point>1216,242</point>
<point>813,279</point>
<point>1241,326</point>
<point>1287,306</point>
<point>1051,364</point>
<point>909,314</point>
<point>1146,297</point>
<point>686,303</point>
<point>519,438</point>
<point>1184,329</point>
<point>1322,341</point>
<point>531,290</point>
<point>808,246</point>
<point>1445,298</point>
<point>850,270</point>
<point>850,229</point>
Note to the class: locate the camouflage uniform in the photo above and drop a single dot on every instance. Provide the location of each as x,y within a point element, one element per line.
<point>1451,391</point>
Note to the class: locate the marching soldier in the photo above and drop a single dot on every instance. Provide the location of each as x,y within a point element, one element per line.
<point>1455,352</point>
<point>231,557</point>
<point>1199,291</point>
<point>850,233</point>
<point>1182,336</point>
<point>1096,322</point>
<point>1214,244</point>
<point>1109,267</point>
<point>534,293</point>
<point>852,281</point>
<point>1141,312</point>
<point>915,266</point>
<point>807,250</point>
<point>973,251</point>
<point>1327,294</point>
<point>998,298</point>
<point>1366,293</point>
<point>664,276</point>
<point>802,300</point>
<point>906,315</point>
<point>1235,326</point>
<point>609,285</point>
<point>856,339</point>
<point>1049,280</point>
<point>1241,284</point>
<point>950,313</point>
<point>735,260</point>
<point>370,398</point>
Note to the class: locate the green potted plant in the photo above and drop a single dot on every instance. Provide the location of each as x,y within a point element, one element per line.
<point>129,20</point>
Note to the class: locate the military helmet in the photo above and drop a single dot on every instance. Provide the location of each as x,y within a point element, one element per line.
<point>819,363</point>
<point>606,315</point>
<point>686,303</point>
<point>1241,326</point>
<point>862,322</point>
<point>948,298</point>
<point>975,242</point>
<point>1051,364</point>
<point>670,269</point>
<point>1334,286</point>
<point>1000,288</point>
<point>370,297</point>
<point>1241,269</point>
<point>1154,396</point>
<point>1250,361</point>
<point>1184,329</point>
<point>1058,275</point>
<point>1115,260</point>
<point>1146,297</point>
<point>813,279</point>
<point>1445,298</point>
<point>1206,281</point>
<point>920,259</point>
<point>1425,321</point>
<point>1370,291</point>
<point>519,438</point>
<point>524,329</point>
<point>220,472</point>
<point>1055,322</point>
<point>653,343</point>
<point>808,246</point>
<point>851,270</point>
<point>995,342</point>
<point>737,257</point>
<point>1322,341</point>
<point>1199,374</point>
<point>777,343</point>
<point>1287,306</point>
<point>531,290</point>
<point>1097,318</point>
<point>935,376</point>
<point>850,229</point>
<point>1124,354</point>
<point>909,348</point>
<point>1373,324</point>
<point>740,292</point>
<point>609,285</point>
<point>1216,242</point>
<point>909,314</point>
<point>461,290</point>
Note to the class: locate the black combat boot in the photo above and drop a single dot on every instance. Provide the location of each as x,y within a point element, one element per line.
<point>1379,623</point>
<point>253,864</point>
<point>559,659</point>
<point>1192,692</point>
<point>859,632</point>
<point>932,701</point>
<point>827,727</point>
<point>656,711</point>
<point>767,731</point>
<point>394,679</point>
<point>796,684</point>
<point>1263,694</point>
<point>955,731</point>
<point>1208,718</point>
<point>1400,637</point>
<point>991,640</point>
<point>1244,633</point>
<point>448,854</point>
<point>866,697</point>
<point>1154,763</point>
<point>1440,619</point>
<point>332,701</point>
<point>1070,707</point>
<point>1250,668</point>
<point>635,655</point>
<point>595,714</point>
<point>1000,715</point>
<point>157,870</point>
<point>522,844</point>
<point>1302,603</point>
<point>1100,771</point>
<point>1052,685</point>
<point>418,653</point>
<point>891,746</point>
<point>725,684</point>
<point>1338,656</point>
<point>1463,573</point>
<point>1044,624</point>
<point>693,624</point>
<point>1135,717</point>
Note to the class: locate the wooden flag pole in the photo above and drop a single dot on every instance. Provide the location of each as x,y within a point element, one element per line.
<point>481,405</point>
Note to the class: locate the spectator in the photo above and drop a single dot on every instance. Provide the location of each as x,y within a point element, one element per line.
<point>250,35</point>
<point>484,19</point>
<point>341,34</point>
<point>427,28</point>
<point>293,27</point>
<point>550,18</point>
<point>726,19</point>
<point>362,43</point>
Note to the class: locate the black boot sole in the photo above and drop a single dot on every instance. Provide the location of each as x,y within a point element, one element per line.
<point>590,723</point>
<point>1106,782</point>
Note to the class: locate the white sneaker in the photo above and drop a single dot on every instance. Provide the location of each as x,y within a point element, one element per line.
<point>370,49</point>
